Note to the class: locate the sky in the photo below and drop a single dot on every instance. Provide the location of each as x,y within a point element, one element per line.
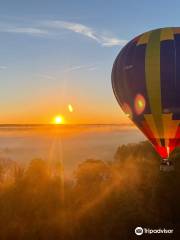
<point>55,53</point>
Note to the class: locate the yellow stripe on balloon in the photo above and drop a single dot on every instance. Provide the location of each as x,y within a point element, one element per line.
<point>151,124</point>
<point>144,38</point>
<point>153,82</point>
<point>170,125</point>
<point>167,34</point>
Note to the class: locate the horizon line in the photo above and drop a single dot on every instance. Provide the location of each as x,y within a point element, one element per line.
<point>66,124</point>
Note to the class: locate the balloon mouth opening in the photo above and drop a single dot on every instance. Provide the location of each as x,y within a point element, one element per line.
<point>165,159</point>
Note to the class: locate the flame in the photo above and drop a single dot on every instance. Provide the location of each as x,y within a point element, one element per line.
<point>168,150</point>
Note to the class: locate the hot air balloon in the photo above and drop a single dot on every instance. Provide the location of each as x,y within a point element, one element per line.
<point>146,84</point>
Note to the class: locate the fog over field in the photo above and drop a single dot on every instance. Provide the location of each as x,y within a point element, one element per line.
<point>67,144</point>
<point>102,199</point>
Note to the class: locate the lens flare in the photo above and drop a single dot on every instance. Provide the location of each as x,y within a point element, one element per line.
<point>139,104</point>
<point>70,108</point>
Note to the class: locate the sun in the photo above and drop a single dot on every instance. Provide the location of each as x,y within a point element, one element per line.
<point>58,120</point>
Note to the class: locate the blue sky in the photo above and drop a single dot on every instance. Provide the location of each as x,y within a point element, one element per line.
<point>53,53</point>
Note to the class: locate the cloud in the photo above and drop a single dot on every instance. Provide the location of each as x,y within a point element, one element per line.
<point>24,30</point>
<point>87,32</point>
<point>54,28</point>
<point>75,27</point>
<point>79,67</point>
<point>46,76</point>
<point>2,67</point>
<point>74,68</point>
<point>109,42</point>
<point>92,68</point>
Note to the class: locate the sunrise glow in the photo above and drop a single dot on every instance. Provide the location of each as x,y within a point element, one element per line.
<point>58,120</point>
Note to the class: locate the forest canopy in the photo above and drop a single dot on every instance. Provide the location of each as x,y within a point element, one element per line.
<point>104,200</point>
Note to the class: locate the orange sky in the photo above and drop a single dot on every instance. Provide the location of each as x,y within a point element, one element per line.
<point>78,116</point>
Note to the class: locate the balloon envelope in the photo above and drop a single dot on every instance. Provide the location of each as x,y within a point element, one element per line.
<point>146,83</point>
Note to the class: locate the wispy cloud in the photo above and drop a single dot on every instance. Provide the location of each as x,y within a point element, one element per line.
<point>109,41</point>
<point>75,27</point>
<point>86,31</point>
<point>92,68</point>
<point>2,67</point>
<point>46,76</point>
<point>55,27</point>
<point>80,67</point>
<point>24,30</point>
